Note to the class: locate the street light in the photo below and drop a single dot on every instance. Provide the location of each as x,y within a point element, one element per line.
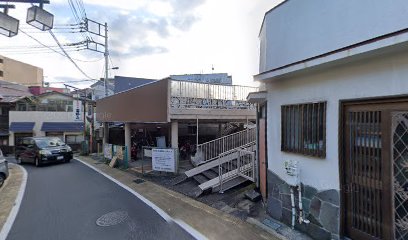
<point>39,18</point>
<point>36,17</point>
<point>8,24</point>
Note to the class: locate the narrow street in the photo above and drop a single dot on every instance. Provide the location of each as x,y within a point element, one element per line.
<point>70,201</point>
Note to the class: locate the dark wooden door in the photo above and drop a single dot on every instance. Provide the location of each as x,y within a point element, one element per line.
<point>367,172</point>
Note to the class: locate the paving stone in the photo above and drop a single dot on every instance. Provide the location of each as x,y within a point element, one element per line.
<point>315,206</point>
<point>306,205</point>
<point>286,216</point>
<point>313,220</point>
<point>286,201</point>
<point>284,189</point>
<point>274,179</point>
<point>309,192</point>
<point>329,217</point>
<point>274,208</point>
<point>332,196</point>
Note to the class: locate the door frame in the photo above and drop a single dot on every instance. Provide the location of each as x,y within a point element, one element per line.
<point>260,114</point>
<point>343,104</point>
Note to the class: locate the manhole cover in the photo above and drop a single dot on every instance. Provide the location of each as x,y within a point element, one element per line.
<point>112,218</point>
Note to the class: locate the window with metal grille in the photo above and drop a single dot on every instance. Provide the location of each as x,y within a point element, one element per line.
<point>304,129</point>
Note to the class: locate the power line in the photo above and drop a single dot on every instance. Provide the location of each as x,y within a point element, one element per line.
<point>66,54</point>
<point>80,60</point>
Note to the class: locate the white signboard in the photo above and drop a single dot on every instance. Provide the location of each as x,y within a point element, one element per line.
<point>164,160</point>
<point>77,111</point>
<point>107,151</point>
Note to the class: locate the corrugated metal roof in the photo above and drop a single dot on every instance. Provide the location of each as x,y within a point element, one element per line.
<point>62,127</point>
<point>21,127</point>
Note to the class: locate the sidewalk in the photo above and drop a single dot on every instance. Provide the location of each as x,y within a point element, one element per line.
<point>8,195</point>
<point>210,222</point>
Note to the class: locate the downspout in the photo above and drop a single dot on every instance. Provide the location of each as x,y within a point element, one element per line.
<point>301,215</point>
<point>292,198</point>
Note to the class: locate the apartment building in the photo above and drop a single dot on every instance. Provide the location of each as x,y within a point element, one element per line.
<point>18,72</point>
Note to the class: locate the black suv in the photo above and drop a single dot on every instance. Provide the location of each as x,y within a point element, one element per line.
<point>39,150</point>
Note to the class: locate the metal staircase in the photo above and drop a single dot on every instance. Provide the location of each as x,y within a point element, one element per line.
<point>211,150</point>
<point>225,162</point>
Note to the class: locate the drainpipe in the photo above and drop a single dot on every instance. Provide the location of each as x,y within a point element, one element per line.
<point>292,198</point>
<point>301,216</point>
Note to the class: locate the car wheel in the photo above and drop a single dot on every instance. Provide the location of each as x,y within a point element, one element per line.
<point>68,160</point>
<point>18,160</point>
<point>37,162</point>
<point>2,179</point>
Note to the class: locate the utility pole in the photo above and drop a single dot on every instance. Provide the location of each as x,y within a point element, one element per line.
<point>95,46</point>
<point>106,59</point>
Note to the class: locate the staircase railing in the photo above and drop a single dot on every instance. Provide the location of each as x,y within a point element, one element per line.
<point>211,150</point>
<point>242,166</point>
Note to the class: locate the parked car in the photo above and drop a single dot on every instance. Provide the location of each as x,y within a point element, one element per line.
<point>4,173</point>
<point>40,150</point>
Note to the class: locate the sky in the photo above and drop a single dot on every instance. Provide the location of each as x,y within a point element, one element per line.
<point>147,39</point>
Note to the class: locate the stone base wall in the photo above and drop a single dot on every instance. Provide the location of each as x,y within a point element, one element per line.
<point>322,208</point>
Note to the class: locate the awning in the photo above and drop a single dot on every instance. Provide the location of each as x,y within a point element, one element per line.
<point>19,127</point>
<point>62,127</point>
<point>257,97</point>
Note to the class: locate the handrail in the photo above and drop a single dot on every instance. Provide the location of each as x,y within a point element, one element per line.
<point>211,150</point>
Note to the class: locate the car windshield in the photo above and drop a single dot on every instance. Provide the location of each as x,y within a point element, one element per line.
<point>49,142</point>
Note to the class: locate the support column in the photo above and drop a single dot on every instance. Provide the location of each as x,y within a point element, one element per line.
<point>128,142</point>
<point>174,134</point>
<point>197,133</point>
<point>105,134</point>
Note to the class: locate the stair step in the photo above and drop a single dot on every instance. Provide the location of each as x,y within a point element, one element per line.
<point>200,178</point>
<point>230,184</point>
<point>210,174</point>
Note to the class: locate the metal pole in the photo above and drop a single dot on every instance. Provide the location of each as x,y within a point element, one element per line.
<point>197,134</point>
<point>106,60</point>
<point>84,125</point>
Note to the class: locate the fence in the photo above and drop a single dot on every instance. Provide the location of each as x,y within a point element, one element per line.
<point>202,95</point>
<point>241,166</point>
<point>116,153</point>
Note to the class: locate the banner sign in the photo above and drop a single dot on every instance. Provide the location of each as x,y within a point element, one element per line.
<point>164,160</point>
<point>77,111</point>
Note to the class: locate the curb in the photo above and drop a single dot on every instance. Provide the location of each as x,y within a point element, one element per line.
<point>257,223</point>
<point>5,229</point>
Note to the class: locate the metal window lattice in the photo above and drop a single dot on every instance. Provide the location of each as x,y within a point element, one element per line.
<point>400,157</point>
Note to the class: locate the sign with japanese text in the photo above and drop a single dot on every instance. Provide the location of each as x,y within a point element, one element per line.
<point>164,160</point>
<point>77,111</point>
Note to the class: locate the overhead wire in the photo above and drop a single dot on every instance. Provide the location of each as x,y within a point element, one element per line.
<point>69,57</point>
<point>38,41</point>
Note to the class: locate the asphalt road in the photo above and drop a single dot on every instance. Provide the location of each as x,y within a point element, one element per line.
<point>64,201</point>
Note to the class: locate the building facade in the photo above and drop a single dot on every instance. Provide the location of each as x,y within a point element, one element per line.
<point>49,114</point>
<point>336,113</point>
<point>18,72</point>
